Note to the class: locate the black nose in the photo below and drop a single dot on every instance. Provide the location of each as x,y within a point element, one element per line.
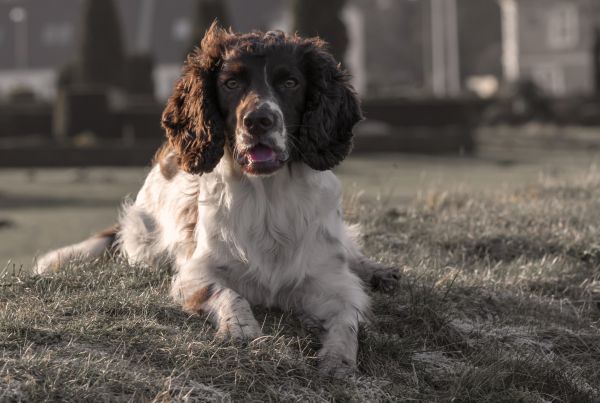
<point>259,121</point>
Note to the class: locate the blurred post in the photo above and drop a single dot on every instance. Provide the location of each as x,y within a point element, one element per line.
<point>445,48</point>
<point>353,17</point>
<point>18,15</point>
<point>510,39</point>
<point>452,46</point>
<point>437,48</point>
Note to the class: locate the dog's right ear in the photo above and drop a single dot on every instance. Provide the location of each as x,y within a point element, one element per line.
<point>193,124</point>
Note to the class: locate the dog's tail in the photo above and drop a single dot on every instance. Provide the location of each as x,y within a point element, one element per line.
<point>88,250</point>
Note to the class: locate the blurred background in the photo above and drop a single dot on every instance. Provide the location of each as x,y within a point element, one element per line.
<point>475,94</point>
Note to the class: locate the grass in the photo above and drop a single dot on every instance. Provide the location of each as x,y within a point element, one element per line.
<point>499,301</point>
<point>34,203</point>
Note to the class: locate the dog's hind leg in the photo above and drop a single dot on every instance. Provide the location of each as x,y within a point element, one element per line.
<point>92,248</point>
<point>378,276</point>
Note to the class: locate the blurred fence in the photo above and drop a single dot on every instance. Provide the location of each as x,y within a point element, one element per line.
<point>82,129</point>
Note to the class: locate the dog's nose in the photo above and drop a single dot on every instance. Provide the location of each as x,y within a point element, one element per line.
<point>259,122</point>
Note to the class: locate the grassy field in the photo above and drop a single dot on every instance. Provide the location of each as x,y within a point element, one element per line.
<point>499,298</point>
<point>41,209</point>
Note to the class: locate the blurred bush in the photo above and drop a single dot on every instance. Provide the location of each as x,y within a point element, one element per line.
<point>518,103</point>
<point>25,120</point>
<point>578,111</point>
<point>420,125</point>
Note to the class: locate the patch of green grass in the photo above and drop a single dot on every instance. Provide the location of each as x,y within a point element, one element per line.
<point>499,301</point>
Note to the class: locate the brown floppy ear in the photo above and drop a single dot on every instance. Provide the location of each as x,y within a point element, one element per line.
<point>191,119</point>
<point>332,109</point>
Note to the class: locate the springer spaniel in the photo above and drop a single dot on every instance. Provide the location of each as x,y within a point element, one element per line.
<point>241,200</point>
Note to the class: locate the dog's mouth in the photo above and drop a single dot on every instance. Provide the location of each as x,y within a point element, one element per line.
<point>261,160</point>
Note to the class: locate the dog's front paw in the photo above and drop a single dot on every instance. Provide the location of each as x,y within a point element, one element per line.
<point>385,279</point>
<point>336,365</point>
<point>238,332</point>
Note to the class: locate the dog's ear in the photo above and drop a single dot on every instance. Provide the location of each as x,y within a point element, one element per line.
<point>332,109</point>
<point>193,124</point>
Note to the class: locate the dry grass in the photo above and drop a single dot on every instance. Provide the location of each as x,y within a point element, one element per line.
<point>499,301</point>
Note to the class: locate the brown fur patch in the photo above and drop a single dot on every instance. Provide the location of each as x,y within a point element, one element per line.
<point>194,303</point>
<point>111,234</point>
<point>167,160</point>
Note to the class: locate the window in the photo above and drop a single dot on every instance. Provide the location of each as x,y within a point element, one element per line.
<point>563,26</point>
<point>57,34</point>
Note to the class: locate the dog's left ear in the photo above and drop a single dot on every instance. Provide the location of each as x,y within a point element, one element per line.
<point>191,119</point>
<point>332,109</point>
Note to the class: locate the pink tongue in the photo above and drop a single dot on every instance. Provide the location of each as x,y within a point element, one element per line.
<point>261,153</point>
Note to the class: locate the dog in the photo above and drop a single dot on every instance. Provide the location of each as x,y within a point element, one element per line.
<point>241,200</point>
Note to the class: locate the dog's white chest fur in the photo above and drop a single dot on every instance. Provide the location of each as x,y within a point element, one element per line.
<point>276,230</point>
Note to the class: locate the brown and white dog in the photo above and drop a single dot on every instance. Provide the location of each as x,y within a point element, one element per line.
<point>241,200</point>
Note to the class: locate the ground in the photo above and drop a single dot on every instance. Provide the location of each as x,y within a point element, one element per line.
<point>499,298</point>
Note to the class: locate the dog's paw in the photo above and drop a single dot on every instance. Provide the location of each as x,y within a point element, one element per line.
<point>237,332</point>
<point>385,279</point>
<point>336,365</point>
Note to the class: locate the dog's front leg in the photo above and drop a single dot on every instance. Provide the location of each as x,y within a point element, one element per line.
<point>199,290</point>
<point>339,304</point>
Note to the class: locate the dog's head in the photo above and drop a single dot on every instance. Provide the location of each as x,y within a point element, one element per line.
<point>268,98</point>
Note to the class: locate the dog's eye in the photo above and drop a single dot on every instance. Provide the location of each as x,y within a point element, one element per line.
<point>232,84</point>
<point>290,83</point>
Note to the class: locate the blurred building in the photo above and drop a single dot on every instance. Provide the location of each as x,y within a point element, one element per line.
<point>37,37</point>
<point>551,42</point>
<point>435,47</point>
<point>396,46</point>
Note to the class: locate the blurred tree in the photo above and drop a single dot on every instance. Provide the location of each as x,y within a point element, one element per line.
<point>101,57</point>
<point>596,62</point>
<point>322,18</point>
<point>205,12</point>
